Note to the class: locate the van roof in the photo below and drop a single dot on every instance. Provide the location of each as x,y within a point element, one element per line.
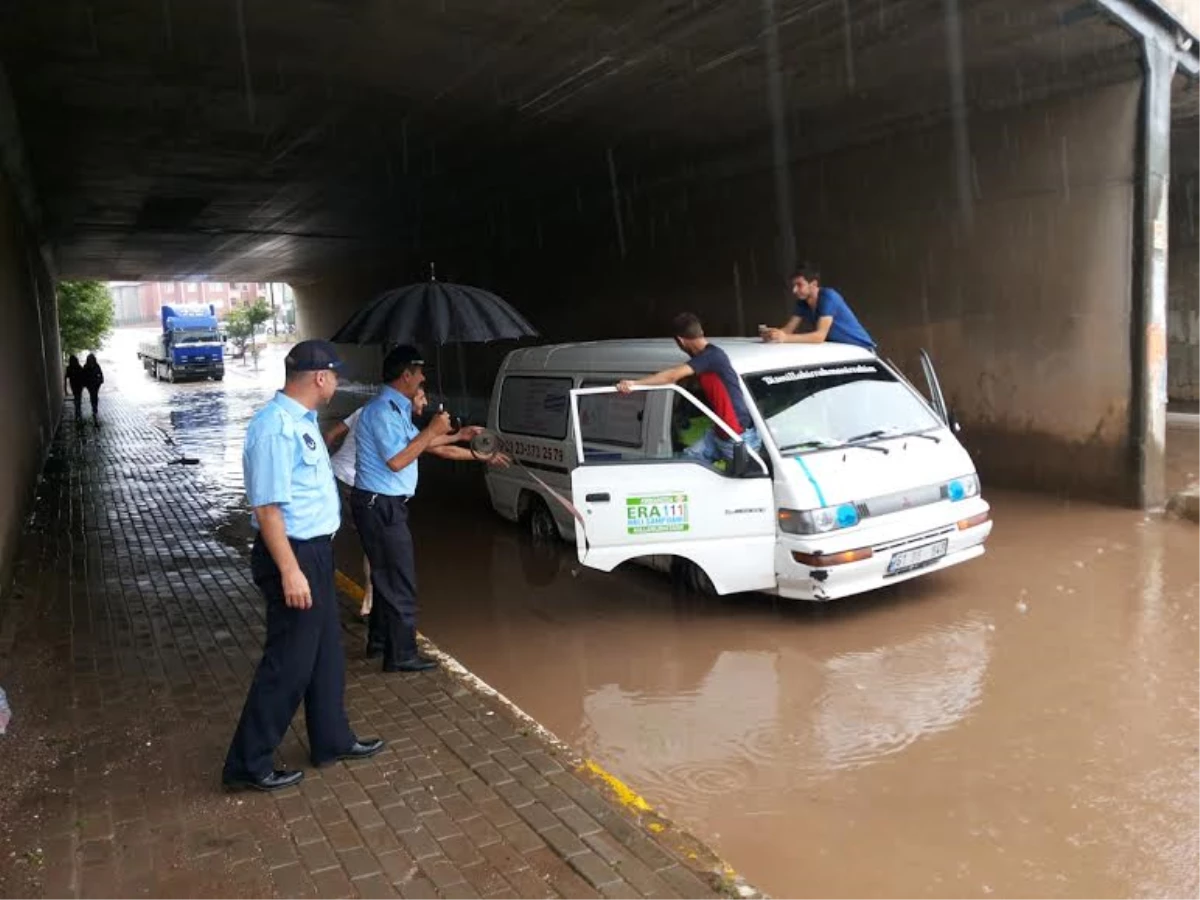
<point>653,354</point>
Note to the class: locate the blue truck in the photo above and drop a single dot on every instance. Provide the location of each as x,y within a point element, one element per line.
<point>190,345</point>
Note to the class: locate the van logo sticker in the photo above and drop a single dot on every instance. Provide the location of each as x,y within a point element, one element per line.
<point>808,374</point>
<point>656,514</point>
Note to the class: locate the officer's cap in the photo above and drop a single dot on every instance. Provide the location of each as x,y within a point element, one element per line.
<point>312,356</point>
<point>400,360</point>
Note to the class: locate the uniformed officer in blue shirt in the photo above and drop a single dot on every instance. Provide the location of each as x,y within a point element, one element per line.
<point>290,485</point>
<point>385,480</point>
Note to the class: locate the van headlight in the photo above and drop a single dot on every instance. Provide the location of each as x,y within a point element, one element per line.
<point>818,521</point>
<point>961,488</point>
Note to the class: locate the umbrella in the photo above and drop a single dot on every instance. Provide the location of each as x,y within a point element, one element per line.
<point>435,312</point>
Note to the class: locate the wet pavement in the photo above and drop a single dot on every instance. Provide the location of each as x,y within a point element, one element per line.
<point>126,646</point>
<point>1022,725</point>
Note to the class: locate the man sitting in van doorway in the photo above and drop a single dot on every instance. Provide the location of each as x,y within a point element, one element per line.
<point>719,383</point>
<point>824,313</point>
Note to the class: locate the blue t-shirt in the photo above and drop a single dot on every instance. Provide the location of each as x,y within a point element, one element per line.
<point>845,329</point>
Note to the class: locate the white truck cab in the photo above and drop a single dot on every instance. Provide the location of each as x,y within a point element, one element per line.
<point>860,481</point>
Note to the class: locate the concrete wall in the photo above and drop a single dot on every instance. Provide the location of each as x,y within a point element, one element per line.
<point>1025,308</point>
<point>1183,266</point>
<point>30,371</point>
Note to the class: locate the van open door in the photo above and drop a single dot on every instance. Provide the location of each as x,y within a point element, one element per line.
<point>648,501</point>
<point>936,398</point>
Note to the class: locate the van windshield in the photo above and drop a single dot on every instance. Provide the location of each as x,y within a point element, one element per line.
<point>817,407</point>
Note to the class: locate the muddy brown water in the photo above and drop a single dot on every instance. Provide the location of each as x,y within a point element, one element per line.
<point>1022,725</point>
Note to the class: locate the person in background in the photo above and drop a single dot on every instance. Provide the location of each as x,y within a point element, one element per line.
<point>822,311</point>
<point>290,486</point>
<point>343,461</point>
<point>93,377</point>
<point>719,383</point>
<point>73,379</point>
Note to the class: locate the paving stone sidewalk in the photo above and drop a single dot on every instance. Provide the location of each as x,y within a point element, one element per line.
<point>126,645</point>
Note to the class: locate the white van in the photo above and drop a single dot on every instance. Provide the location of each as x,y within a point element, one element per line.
<point>860,482</point>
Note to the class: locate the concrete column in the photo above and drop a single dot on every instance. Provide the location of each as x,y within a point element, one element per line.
<point>1149,346</point>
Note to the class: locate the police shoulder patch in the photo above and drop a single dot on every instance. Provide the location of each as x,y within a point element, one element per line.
<point>309,441</point>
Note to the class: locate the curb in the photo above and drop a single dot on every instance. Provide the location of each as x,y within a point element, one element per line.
<point>691,851</point>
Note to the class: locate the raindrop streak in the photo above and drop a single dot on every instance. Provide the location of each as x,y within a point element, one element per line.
<point>616,200</point>
<point>848,35</point>
<point>786,239</point>
<point>168,31</point>
<point>241,23</point>
<point>737,296</point>
<point>958,111</point>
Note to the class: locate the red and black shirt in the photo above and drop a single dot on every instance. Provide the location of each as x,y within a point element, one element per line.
<point>720,384</point>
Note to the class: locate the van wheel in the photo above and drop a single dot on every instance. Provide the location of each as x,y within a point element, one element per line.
<point>691,578</point>
<point>540,521</point>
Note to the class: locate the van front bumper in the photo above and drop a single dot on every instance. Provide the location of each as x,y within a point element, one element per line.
<point>801,581</point>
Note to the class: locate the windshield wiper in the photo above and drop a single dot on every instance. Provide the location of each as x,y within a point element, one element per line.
<point>858,439</point>
<point>817,444</point>
<point>925,436</point>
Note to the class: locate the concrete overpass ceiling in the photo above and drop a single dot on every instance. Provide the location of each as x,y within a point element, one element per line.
<point>281,138</point>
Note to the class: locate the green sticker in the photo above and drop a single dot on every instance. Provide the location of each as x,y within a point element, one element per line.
<point>656,514</point>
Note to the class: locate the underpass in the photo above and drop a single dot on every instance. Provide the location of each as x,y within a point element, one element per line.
<point>1018,725</point>
<point>1011,186</point>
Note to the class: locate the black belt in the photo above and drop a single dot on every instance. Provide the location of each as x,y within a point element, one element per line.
<point>403,498</point>
<point>319,539</point>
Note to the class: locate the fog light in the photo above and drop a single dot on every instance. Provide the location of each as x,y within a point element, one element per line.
<point>824,560</point>
<point>974,521</point>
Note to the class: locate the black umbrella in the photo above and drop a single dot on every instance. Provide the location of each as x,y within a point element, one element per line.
<point>435,312</point>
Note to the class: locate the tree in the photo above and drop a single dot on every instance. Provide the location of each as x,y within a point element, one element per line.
<point>85,315</point>
<point>242,325</point>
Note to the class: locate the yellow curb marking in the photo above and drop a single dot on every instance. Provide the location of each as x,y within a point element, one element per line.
<point>348,586</point>
<point>627,795</point>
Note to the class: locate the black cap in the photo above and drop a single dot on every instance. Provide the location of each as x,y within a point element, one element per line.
<point>312,356</point>
<point>400,359</point>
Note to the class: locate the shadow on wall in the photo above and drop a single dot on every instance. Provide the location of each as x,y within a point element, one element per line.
<point>31,370</point>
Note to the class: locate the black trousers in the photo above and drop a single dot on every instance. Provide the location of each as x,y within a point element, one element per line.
<point>94,396</point>
<point>77,396</point>
<point>302,659</point>
<point>382,523</point>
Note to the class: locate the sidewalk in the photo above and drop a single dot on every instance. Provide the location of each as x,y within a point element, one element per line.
<point>126,646</point>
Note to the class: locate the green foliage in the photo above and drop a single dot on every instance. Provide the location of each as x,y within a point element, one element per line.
<point>242,325</point>
<point>85,315</point>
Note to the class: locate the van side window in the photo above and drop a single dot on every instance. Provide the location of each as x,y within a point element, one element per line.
<point>535,407</point>
<point>615,419</point>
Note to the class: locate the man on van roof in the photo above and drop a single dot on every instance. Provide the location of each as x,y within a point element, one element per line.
<point>720,385</point>
<point>824,313</point>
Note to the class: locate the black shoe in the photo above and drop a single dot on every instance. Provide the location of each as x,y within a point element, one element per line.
<point>416,663</point>
<point>274,781</point>
<point>374,651</point>
<point>362,748</point>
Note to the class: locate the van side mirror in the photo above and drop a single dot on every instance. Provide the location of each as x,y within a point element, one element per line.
<point>743,465</point>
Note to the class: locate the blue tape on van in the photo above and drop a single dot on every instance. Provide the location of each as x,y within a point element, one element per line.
<point>811,480</point>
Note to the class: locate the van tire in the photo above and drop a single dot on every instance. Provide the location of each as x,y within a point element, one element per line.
<point>540,521</point>
<point>691,578</point>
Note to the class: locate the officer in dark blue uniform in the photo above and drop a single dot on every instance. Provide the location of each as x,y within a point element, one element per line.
<point>385,479</point>
<point>290,485</point>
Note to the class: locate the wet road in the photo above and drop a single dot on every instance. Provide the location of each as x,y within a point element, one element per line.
<point>1022,725</point>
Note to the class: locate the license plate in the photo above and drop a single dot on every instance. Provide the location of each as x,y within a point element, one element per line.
<point>907,560</point>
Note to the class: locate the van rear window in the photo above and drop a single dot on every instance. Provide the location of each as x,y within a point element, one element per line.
<point>536,407</point>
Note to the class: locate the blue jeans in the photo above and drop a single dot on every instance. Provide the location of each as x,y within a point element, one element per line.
<point>713,446</point>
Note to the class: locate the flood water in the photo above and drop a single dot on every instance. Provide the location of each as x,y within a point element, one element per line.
<point>1022,725</point>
